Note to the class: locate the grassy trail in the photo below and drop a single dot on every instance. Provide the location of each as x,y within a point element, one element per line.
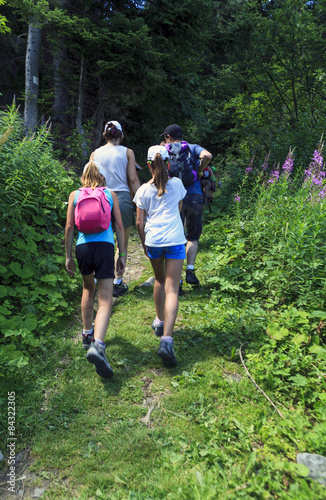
<point>191,432</point>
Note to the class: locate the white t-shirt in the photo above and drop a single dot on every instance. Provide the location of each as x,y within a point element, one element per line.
<point>163,225</point>
<point>114,161</point>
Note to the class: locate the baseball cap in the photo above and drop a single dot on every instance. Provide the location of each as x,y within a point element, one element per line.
<point>115,123</point>
<point>99,166</point>
<point>173,130</point>
<point>153,150</point>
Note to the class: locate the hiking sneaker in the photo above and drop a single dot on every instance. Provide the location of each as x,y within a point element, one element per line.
<point>191,278</point>
<point>96,355</point>
<point>87,339</point>
<point>166,353</point>
<point>158,329</point>
<point>119,290</point>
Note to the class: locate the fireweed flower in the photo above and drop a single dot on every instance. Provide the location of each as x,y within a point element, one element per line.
<point>248,170</point>
<point>237,198</point>
<point>264,166</point>
<point>275,174</point>
<point>314,175</point>
<point>322,193</point>
<point>288,164</point>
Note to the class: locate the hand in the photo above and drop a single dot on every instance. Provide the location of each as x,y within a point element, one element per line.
<point>70,266</point>
<point>121,264</point>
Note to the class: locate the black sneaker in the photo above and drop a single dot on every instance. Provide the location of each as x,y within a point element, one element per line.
<point>119,290</point>
<point>191,278</point>
<point>166,353</point>
<point>87,339</point>
<point>158,329</point>
<point>96,355</point>
<point>180,289</point>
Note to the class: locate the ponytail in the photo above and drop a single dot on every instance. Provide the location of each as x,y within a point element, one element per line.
<point>160,174</point>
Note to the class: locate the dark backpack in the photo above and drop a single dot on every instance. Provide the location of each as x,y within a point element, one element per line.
<point>181,162</point>
<point>208,185</point>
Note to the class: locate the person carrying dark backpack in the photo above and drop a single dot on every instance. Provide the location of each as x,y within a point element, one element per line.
<point>190,161</point>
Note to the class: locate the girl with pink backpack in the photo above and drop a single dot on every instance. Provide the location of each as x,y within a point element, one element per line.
<point>89,208</point>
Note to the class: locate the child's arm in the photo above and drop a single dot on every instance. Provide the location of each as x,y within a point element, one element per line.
<point>140,223</point>
<point>69,234</point>
<point>120,232</point>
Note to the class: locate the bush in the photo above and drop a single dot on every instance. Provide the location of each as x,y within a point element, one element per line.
<point>35,289</point>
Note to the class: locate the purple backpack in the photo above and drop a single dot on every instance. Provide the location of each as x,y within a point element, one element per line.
<point>92,210</point>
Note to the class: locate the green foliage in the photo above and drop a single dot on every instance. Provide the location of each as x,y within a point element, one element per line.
<point>34,287</point>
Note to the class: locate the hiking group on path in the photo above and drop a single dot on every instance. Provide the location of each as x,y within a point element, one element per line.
<point>171,201</point>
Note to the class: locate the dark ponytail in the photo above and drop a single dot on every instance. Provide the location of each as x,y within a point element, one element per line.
<point>160,174</point>
<point>111,132</point>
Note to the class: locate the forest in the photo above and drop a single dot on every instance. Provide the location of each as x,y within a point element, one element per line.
<point>243,78</point>
<point>245,405</point>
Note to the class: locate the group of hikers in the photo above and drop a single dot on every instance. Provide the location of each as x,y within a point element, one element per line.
<point>169,223</point>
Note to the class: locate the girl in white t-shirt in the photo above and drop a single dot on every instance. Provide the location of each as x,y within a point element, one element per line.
<point>161,232</point>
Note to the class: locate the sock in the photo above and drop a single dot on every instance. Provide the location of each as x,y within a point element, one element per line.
<point>191,267</point>
<point>117,281</point>
<point>88,332</point>
<point>168,339</point>
<point>157,322</point>
<point>97,341</point>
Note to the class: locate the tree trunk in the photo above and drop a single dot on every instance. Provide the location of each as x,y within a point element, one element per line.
<point>61,90</point>
<point>32,77</point>
<point>79,116</point>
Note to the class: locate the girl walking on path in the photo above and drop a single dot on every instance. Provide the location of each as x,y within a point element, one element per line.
<point>159,202</point>
<point>95,257</point>
<point>119,167</point>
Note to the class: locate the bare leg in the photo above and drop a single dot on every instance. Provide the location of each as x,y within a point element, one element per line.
<point>87,301</point>
<point>127,235</point>
<point>103,315</point>
<point>173,269</point>
<point>166,288</point>
<point>191,252</point>
<point>159,292</point>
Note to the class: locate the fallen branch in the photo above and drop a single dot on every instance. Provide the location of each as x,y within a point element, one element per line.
<point>261,390</point>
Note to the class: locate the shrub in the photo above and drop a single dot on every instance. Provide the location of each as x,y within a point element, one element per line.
<point>35,289</point>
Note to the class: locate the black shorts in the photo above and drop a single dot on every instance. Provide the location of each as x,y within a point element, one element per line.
<point>191,214</point>
<point>98,257</point>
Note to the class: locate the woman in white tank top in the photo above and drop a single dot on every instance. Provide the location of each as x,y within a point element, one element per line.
<point>119,165</point>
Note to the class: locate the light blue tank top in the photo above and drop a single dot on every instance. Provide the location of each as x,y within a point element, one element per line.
<point>106,235</point>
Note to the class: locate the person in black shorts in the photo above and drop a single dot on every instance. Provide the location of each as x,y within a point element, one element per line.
<point>192,207</point>
<point>95,257</point>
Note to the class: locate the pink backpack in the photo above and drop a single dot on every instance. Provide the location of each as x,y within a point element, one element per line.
<point>92,210</point>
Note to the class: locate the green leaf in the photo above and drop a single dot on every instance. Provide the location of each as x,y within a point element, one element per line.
<point>49,278</point>
<point>3,291</point>
<point>318,314</point>
<point>30,322</point>
<point>15,267</point>
<point>276,332</point>
<point>39,220</point>
<point>300,339</point>
<point>299,380</point>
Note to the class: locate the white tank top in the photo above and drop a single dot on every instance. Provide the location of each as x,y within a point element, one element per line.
<point>114,161</point>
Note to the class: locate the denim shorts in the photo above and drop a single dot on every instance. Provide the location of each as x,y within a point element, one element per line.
<point>172,252</point>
